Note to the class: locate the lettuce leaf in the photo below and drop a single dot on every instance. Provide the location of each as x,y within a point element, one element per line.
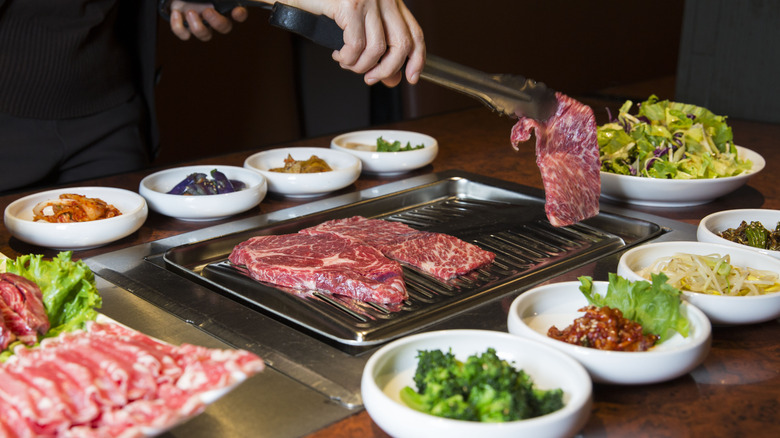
<point>656,305</point>
<point>70,295</point>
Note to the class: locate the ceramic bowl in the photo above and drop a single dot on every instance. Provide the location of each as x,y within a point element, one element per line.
<point>533,313</point>
<point>18,219</point>
<point>392,367</point>
<point>362,144</point>
<point>715,223</point>
<point>657,192</point>
<point>156,186</point>
<point>720,309</point>
<point>346,170</point>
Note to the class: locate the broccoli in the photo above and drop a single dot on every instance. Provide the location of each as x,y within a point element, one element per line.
<point>483,388</point>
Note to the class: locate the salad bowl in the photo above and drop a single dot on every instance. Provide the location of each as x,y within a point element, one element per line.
<point>720,309</point>
<point>533,313</point>
<point>392,367</point>
<point>656,192</point>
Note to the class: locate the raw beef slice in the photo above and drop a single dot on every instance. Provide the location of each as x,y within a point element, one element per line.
<point>438,254</point>
<point>323,262</point>
<point>567,154</point>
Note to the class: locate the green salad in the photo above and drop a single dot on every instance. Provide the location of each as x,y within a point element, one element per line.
<point>669,140</point>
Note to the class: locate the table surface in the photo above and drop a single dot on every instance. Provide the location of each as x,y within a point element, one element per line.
<point>734,392</point>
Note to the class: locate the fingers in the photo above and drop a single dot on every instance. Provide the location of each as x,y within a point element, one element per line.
<point>364,40</point>
<point>380,38</point>
<point>416,59</point>
<point>201,21</point>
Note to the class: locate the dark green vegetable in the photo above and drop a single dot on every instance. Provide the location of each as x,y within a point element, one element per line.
<point>484,388</point>
<point>383,145</point>
<point>754,234</point>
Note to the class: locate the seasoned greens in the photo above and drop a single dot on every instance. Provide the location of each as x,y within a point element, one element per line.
<point>754,234</point>
<point>484,388</point>
<point>383,145</point>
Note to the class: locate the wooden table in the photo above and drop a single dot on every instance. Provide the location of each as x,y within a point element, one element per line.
<point>735,392</point>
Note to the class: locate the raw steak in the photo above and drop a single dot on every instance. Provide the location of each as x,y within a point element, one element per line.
<point>438,254</point>
<point>567,154</point>
<point>324,262</point>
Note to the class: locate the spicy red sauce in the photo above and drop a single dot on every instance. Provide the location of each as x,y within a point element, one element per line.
<point>604,328</point>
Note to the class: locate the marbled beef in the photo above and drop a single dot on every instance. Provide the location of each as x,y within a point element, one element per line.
<point>567,154</point>
<point>324,262</point>
<point>438,254</point>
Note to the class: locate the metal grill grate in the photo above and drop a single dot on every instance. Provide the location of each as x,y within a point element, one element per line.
<point>524,250</point>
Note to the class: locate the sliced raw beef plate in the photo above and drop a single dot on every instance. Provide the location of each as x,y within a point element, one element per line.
<point>567,154</point>
<point>324,262</point>
<point>438,254</point>
<point>112,381</point>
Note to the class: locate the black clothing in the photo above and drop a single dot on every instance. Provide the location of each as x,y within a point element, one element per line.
<point>67,62</point>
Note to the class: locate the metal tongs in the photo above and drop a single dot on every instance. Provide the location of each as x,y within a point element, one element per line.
<point>511,95</point>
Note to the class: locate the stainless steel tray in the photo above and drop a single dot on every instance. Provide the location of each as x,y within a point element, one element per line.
<point>510,223</point>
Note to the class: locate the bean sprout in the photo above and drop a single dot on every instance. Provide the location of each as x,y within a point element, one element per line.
<point>713,274</point>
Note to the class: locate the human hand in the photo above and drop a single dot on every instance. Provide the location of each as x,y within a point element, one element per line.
<point>202,19</point>
<point>380,36</point>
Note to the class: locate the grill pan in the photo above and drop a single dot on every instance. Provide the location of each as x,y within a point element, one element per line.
<point>513,225</point>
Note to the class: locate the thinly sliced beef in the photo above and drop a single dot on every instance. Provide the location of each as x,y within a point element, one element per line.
<point>324,262</point>
<point>21,304</point>
<point>438,254</point>
<point>567,155</point>
<point>110,380</point>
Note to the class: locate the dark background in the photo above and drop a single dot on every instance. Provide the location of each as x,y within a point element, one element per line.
<point>260,86</point>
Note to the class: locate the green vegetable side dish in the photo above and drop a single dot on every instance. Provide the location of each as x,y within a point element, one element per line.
<point>669,140</point>
<point>484,388</point>
<point>754,234</point>
<point>70,295</point>
<point>383,145</point>
<point>654,305</point>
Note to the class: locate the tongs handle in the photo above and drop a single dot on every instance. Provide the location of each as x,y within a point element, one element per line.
<point>317,28</point>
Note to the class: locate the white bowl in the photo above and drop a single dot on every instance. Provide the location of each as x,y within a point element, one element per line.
<point>719,309</point>
<point>392,367</point>
<point>156,186</point>
<point>533,313</point>
<point>658,192</point>
<point>18,219</point>
<point>346,170</point>
<point>712,224</point>
<point>388,163</point>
